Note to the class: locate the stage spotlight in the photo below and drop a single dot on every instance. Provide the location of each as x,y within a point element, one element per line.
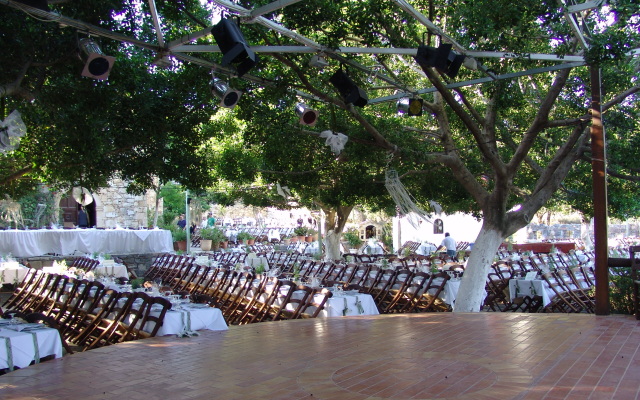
<point>307,115</point>
<point>233,46</point>
<point>412,107</point>
<point>228,97</point>
<point>348,89</point>
<point>443,59</point>
<point>96,64</point>
<point>318,61</point>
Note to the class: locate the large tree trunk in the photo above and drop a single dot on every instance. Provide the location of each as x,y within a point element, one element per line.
<point>334,224</point>
<point>332,246</point>
<point>472,288</point>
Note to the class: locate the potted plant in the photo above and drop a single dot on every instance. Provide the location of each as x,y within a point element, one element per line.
<point>286,240</point>
<point>211,238</point>
<point>301,233</point>
<point>245,236</point>
<point>352,237</point>
<point>179,239</point>
<point>311,235</point>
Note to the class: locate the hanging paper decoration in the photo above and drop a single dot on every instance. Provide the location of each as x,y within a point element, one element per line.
<point>334,140</point>
<point>436,207</point>
<point>11,130</point>
<point>404,201</point>
<point>283,190</point>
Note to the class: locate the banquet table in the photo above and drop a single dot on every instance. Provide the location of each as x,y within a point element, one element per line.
<point>349,304</point>
<point>12,272</point>
<point>192,317</point>
<point>114,270</point>
<point>32,243</point>
<point>531,287</point>
<point>426,249</point>
<point>20,344</point>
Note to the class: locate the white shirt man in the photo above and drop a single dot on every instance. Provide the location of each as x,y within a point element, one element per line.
<point>450,245</point>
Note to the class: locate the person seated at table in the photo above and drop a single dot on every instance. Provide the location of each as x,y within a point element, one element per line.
<point>450,244</point>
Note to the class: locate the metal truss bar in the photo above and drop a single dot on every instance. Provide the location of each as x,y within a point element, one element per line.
<point>573,23</point>
<point>478,81</point>
<point>82,27</point>
<point>189,38</point>
<point>306,41</point>
<point>267,8</point>
<point>156,22</point>
<point>587,5</point>
<point>379,50</point>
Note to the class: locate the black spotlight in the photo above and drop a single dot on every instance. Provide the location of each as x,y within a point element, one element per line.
<point>96,64</point>
<point>233,46</point>
<point>443,59</point>
<point>348,90</point>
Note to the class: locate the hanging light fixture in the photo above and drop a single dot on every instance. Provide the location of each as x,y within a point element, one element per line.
<point>228,96</point>
<point>96,64</point>
<point>443,59</point>
<point>234,47</point>
<point>307,115</point>
<point>348,90</point>
<point>410,106</point>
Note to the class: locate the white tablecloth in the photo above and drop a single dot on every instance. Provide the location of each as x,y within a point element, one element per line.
<point>426,249</point>
<point>19,349</point>
<point>372,248</point>
<point>192,317</point>
<point>346,305</point>
<point>86,241</point>
<point>12,272</point>
<point>115,270</point>
<point>522,287</point>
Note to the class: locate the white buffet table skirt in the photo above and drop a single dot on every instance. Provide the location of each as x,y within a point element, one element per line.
<point>12,272</point>
<point>523,287</point>
<point>192,317</point>
<point>32,342</point>
<point>39,242</point>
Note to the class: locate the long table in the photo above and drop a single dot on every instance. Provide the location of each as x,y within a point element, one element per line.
<point>33,243</point>
<point>20,344</point>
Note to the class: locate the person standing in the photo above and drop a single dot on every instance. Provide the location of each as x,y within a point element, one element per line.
<point>451,246</point>
<point>182,223</point>
<point>211,221</point>
<point>83,219</point>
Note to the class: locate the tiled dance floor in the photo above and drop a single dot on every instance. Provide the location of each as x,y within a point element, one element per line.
<point>426,356</point>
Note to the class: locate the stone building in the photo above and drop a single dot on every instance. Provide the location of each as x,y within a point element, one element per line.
<point>111,207</point>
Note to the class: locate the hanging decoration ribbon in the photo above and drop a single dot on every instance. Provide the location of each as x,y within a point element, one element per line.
<point>404,201</point>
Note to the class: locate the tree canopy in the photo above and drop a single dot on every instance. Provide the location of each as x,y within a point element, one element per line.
<point>502,138</point>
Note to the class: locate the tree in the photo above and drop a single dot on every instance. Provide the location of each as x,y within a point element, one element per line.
<point>506,142</point>
<point>141,124</point>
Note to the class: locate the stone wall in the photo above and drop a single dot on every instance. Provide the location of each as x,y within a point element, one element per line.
<point>115,207</point>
